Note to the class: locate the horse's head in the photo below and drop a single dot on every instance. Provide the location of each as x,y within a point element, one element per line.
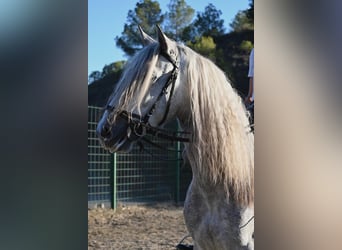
<point>145,95</point>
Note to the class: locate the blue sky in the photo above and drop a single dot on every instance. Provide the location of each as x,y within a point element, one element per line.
<point>106,19</point>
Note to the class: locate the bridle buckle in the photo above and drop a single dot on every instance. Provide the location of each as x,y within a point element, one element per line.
<point>139,129</point>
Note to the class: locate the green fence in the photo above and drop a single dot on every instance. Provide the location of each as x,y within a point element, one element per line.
<point>135,177</point>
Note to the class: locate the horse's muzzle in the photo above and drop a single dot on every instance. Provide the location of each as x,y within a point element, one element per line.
<point>113,136</point>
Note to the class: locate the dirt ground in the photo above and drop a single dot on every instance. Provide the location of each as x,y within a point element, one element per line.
<point>133,227</point>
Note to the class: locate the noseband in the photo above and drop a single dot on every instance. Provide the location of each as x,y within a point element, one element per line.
<point>139,126</point>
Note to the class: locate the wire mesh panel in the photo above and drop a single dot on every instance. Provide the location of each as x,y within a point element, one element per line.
<point>100,163</point>
<point>147,177</point>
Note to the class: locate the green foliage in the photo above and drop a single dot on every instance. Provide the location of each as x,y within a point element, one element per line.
<point>188,34</point>
<point>209,22</point>
<point>242,22</point>
<point>112,68</point>
<point>232,57</point>
<point>118,66</point>
<point>99,91</point>
<point>240,42</point>
<point>246,46</point>
<point>94,76</point>
<point>109,69</point>
<point>147,14</point>
<point>204,46</point>
<point>178,18</point>
<point>250,11</point>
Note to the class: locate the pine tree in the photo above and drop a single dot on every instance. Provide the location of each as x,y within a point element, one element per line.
<point>178,18</point>
<point>147,14</point>
<point>209,22</point>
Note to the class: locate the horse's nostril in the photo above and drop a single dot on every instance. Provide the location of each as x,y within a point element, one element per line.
<point>105,130</point>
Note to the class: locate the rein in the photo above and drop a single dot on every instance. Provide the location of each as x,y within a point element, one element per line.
<point>141,128</point>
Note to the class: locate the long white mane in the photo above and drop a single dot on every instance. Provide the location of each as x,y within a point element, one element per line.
<point>135,80</point>
<point>223,147</point>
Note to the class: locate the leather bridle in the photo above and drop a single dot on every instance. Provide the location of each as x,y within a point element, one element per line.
<point>139,126</point>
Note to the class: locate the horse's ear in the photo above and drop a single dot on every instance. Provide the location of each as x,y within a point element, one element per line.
<point>146,39</point>
<point>163,40</point>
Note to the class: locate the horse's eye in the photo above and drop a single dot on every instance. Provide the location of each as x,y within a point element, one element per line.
<point>154,78</point>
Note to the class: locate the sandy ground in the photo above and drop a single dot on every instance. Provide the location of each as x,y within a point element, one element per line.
<point>137,228</point>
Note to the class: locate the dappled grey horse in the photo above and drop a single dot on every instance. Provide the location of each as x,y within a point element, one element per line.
<point>166,81</point>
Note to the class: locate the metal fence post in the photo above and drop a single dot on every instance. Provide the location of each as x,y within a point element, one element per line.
<point>178,173</point>
<point>114,181</point>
